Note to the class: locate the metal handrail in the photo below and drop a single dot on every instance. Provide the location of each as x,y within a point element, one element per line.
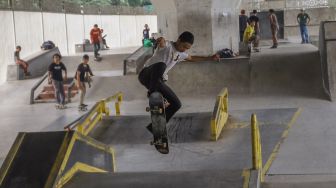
<point>256,146</point>
<point>32,91</point>
<point>88,121</point>
<point>220,114</point>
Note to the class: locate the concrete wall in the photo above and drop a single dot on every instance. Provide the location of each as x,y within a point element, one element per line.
<point>205,19</point>
<point>7,43</point>
<point>225,25</point>
<point>195,16</point>
<point>317,15</point>
<point>30,29</point>
<point>328,57</point>
<point>167,18</point>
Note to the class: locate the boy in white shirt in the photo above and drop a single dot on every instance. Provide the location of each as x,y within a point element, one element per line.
<point>155,72</point>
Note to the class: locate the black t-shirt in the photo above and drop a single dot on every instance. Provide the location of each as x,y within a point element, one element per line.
<point>243,19</point>
<point>145,33</point>
<point>253,18</point>
<point>83,69</point>
<point>56,71</point>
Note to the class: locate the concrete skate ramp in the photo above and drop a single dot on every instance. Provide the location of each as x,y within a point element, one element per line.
<point>292,69</point>
<point>196,179</point>
<point>190,144</point>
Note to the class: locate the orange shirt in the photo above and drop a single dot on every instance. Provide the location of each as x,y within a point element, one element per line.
<point>95,35</point>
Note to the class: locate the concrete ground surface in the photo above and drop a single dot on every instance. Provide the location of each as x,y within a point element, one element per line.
<point>306,156</point>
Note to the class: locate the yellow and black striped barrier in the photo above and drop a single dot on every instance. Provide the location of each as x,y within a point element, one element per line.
<point>220,114</point>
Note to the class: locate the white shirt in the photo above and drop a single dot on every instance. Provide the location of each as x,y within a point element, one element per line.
<point>168,55</point>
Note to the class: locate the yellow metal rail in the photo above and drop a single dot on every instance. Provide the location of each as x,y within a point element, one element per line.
<point>96,113</point>
<point>256,147</point>
<point>65,176</point>
<point>220,114</point>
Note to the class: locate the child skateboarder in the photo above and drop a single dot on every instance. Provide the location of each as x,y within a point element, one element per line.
<point>56,78</point>
<point>82,76</point>
<point>95,36</point>
<point>155,72</point>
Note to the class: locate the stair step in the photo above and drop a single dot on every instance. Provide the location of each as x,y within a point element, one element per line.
<point>51,95</point>
<point>195,179</point>
<point>51,88</point>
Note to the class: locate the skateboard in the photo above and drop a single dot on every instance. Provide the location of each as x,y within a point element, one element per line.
<point>82,108</point>
<point>158,118</point>
<point>88,79</point>
<point>60,107</point>
<point>98,58</point>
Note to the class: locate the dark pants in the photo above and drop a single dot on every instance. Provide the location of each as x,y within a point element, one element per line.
<point>59,91</point>
<point>151,78</point>
<point>96,47</point>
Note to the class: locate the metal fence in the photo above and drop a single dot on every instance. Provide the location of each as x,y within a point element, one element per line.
<point>79,6</point>
<point>289,4</point>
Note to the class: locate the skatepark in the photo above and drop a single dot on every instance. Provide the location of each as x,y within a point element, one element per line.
<point>264,120</point>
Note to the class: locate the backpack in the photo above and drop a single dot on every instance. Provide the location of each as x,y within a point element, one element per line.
<point>225,53</point>
<point>86,41</point>
<point>47,45</point>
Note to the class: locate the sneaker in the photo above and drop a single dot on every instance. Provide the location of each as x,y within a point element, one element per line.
<point>83,105</point>
<point>274,47</point>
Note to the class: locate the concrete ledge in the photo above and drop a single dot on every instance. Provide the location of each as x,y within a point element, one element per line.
<point>135,62</point>
<point>327,43</point>
<point>38,65</point>
<point>79,48</point>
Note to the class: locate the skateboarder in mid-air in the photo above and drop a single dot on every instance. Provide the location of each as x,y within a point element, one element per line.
<point>155,72</point>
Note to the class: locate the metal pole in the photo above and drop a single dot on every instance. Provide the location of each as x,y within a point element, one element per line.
<point>254,142</point>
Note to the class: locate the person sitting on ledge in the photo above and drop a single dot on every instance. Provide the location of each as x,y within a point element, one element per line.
<point>24,65</point>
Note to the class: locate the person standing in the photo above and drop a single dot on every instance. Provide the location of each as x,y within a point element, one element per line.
<point>243,22</point>
<point>274,27</point>
<point>254,18</point>
<point>83,75</point>
<point>303,20</point>
<point>95,36</point>
<point>24,65</point>
<point>55,77</point>
<point>145,33</point>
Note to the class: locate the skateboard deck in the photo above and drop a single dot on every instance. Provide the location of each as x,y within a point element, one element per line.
<point>158,118</point>
<point>98,58</point>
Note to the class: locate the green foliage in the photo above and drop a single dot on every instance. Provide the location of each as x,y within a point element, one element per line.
<point>133,3</point>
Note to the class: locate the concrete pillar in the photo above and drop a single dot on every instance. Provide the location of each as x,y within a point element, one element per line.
<point>328,57</point>
<point>213,22</point>
<point>167,18</point>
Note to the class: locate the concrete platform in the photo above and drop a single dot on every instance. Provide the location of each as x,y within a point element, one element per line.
<point>190,145</point>
<point>197,179</point>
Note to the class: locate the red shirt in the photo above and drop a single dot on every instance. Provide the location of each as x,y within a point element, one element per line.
<point>95,35</point>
